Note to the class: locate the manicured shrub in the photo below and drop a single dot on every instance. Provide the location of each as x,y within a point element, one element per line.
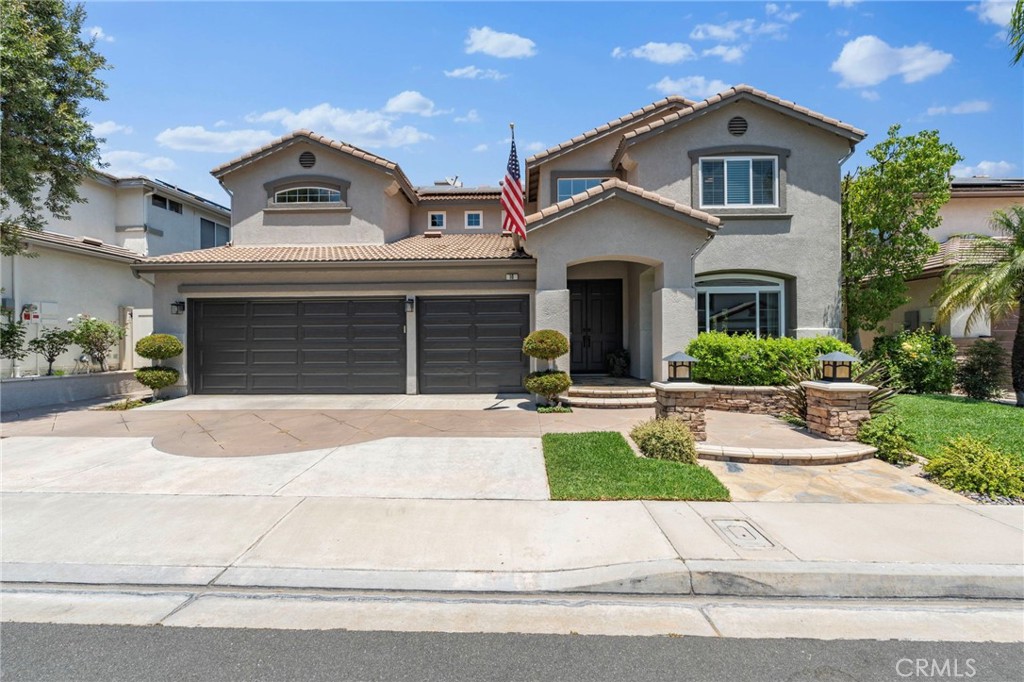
<point>743,360</point>
<point>546,344</point>
<point>159,347</point>
<point>618,363</point>
<point>665,438</point>
<point>157,377</point>
<point>969,464</point>
<point>918,362</point>
<point>96,337</point>
<point>51,343</point>
<point>888,433</point>
<point>549,384</point>
<point>981,374</point>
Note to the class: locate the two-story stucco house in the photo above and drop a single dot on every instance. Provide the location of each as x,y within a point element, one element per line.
<point>344,277</point>
<point>82,264</point>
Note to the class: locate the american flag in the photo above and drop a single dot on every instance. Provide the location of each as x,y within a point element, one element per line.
<point>512,196</point>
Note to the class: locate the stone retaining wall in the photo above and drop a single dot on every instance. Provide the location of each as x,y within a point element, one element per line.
<point>748,399</point>
<point>685,401</point>
<point>836,411</point>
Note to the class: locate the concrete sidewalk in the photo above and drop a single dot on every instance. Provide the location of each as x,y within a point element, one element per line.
<point>678,548</point>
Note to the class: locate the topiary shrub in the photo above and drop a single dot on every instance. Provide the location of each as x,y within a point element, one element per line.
<point>969,464</point>
<point>157,377</point>
<point>665,438</point>
<point>888,433</point>
<point>744,360</point>
<point>546,344</point>
<point>918,362</point>
<point>981,374</point>
<point>159,347</point>
<point>549,384</point>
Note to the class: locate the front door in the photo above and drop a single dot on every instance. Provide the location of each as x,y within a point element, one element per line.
<point>595,323</point>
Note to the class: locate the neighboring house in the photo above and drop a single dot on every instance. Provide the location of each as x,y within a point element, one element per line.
<point>969,211</point>
<point>344,277</point>
<point>83,264</point>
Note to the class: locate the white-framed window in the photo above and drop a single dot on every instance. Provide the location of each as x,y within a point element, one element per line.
<point>308,195</point>
<point>167,204</point>
<point>213,234</point>
<point>567,187</point>
<point>740,303</point>
<point>474,220</point>
<point>739,181</point>
<point>436,220</point>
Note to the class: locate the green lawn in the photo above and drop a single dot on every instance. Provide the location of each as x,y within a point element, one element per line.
<point>602,466</point>
<point>933,419</point>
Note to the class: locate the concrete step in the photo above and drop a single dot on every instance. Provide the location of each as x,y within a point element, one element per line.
<point>609,403</point>
<point>611,392</point>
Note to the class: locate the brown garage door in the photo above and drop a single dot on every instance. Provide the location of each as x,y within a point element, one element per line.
<point>297,346</point>
<point>472,344</point>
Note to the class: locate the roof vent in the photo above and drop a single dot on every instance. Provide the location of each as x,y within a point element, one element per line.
<point>737,125</point>
<point>92,241</point>
<point>307,159</point>
<point>432,234</point>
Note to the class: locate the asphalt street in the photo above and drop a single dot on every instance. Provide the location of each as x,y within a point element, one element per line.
<point>40,652</point>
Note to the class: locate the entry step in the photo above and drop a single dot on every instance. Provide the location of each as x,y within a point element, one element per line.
<point>609,403</point>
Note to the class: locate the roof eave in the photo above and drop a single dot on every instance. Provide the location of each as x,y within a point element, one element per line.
<point>143,266</point>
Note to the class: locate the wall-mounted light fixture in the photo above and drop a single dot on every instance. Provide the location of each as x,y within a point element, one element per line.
<point>410,304</point>
<point>511,276</point>
<point>178,308</point>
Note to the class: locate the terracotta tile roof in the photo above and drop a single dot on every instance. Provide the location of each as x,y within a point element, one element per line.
<point>361,154</point>
<point>418,248</point>
<point>84,245</point>
<point>672,101</point>
<point>614,184</point>
<point>955,250</point>
<point>440,193</point>
<point>736,91</point>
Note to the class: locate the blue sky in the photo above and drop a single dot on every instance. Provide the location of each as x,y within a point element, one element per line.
<point>433,86</point>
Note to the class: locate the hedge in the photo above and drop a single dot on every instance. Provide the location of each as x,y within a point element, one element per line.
<point>743,360</point>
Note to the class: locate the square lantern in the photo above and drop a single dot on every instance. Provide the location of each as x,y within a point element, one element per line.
<point>178,308</point>
<point>837,366</point>
<point>680,366</point>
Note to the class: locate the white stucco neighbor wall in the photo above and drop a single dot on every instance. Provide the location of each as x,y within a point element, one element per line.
<point>963,214</point>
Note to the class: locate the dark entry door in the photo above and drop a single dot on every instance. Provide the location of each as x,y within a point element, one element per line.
<point>595,322</point>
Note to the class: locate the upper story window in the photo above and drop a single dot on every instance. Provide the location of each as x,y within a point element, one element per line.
<point>308,195</point>
<point>167,204</point>
<point>435,220</point>
<point>567,187</point>
<point>474,220</point>
<point>737,181</point>
<point>213,234</point>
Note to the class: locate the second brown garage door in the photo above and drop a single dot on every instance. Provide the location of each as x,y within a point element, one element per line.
<point>472,344</point>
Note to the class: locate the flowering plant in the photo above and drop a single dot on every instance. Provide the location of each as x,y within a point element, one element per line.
<point>96,337</point>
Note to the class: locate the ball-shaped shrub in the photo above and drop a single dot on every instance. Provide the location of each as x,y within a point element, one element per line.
<point>157,377</point>
<point>548,384</point>
<point>665,438</point>
<point>159,347</point>
<point>546,344</point>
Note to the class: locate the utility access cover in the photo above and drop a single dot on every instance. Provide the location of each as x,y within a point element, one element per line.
<point>741,533</point>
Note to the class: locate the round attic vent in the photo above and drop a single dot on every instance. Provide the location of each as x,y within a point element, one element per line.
<point>737,125</point>
<point>308,160</point>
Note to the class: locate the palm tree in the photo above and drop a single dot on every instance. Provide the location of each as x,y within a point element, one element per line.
<point>989,282</point>
<point>1015,34</point>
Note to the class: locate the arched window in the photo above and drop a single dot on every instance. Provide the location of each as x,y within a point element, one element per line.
<point>739,303</point>
<point>308,195</point>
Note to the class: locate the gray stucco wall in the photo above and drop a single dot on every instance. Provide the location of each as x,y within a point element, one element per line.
<point>455,215</point>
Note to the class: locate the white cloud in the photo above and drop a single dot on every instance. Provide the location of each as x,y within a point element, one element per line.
<point>993,169</point>
<point>105,128</point>
<point>785,14</point>
<point>693,87</point>
<point>125,163</point>
<point>842,3</point>
<point>868,60</point>
<point>971,106</point>
<point>732,31</point>
<point>996,12</point>
<point>360,127</point>
<point>870,95</point>
<point>99,35</point>
<point>472,116</point>
<point>535,147</point>
<point>482,147</point>
<point>659,53</point>
<point>497,44</point>
<point>730,54</point>
<point>221,124</point>
<point>412,102</point>
<point>474,73</point>
<point>199,139</point>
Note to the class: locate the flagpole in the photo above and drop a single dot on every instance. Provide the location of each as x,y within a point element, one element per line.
<point>515,236</point>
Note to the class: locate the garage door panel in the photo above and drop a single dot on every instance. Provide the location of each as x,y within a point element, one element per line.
<point>294,346</point>
<point>472,344</point>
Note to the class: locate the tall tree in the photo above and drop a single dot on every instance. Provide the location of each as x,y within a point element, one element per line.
<point>1015,33</point>
<point>989,281</point>
<point>47,70</point>
<point>888,210</point>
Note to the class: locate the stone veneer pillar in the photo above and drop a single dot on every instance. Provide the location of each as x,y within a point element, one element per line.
<point>835,410</point>
<point>684,400</point>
